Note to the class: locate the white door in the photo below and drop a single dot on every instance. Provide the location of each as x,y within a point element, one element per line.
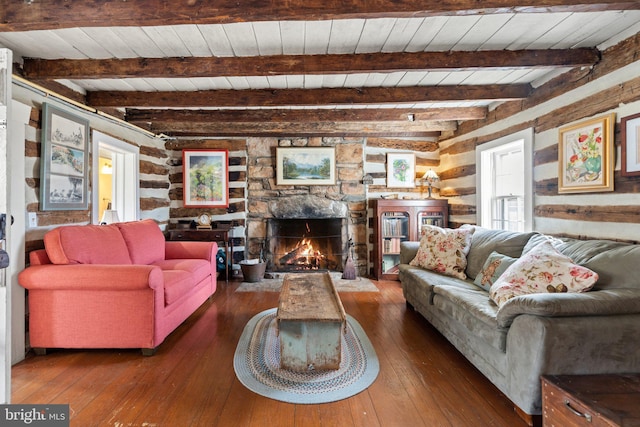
<point>5,294</point>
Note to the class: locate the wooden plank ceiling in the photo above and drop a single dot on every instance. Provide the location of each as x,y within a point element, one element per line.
<point>188,68</point>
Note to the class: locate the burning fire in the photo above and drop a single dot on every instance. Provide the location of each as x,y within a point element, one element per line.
<point>308,251</point>
<point>304,255</point>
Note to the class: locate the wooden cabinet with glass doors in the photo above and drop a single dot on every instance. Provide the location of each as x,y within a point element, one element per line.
<point>395,221</point>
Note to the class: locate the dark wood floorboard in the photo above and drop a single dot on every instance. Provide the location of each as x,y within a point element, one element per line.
<point>190,381</point>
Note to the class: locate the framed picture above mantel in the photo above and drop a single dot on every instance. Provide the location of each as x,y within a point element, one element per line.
<point>206,178</point>
<point>305,166</point>
<point>586,156</point>
<point>65,160</point>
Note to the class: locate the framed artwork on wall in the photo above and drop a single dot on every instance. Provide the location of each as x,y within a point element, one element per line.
<point>305,165</point>
<point>586,156</point>
<point>65,160</point>
<point>401,170</point>
<point>630,131</point>
<point>206,178</point>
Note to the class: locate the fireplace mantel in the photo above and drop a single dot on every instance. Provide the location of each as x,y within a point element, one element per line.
<point>307,206</point>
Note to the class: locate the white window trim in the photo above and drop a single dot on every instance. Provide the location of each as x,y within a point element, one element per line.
<point>126,176</point>
<point>526,136</point>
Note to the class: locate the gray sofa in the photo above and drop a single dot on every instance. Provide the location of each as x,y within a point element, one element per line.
<point>564,333</point>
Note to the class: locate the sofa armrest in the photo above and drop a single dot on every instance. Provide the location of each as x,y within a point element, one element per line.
<point>408,251</point>
<point>191,250</point>
<point>594,303</point>
<point>538,345</point>
<point>91,277</point>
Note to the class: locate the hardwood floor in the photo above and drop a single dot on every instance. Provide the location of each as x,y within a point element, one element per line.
<point>190,381</point>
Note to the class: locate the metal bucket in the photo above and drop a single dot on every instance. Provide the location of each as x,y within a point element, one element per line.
<point>253,272</point>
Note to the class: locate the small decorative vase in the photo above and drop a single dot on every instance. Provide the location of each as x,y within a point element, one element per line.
<point>593,164</point>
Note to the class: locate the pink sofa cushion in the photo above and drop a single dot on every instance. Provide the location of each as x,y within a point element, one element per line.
<point>177,283</point>
<point>198,268</point>
<point>86,244</point>
<point>144,240</point>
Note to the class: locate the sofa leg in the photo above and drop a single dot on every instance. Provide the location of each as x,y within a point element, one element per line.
<point>39,351</point>
<point>149,351</point>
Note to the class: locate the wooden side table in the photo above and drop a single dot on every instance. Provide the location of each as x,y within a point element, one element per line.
<point>213,235</point>
<point>591,400</point>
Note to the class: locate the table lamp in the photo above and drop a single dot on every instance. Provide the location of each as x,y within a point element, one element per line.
<point>430,177</point>
<point>109,217</point>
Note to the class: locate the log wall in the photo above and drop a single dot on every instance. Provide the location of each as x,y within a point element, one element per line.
<point>154,183</point>
<point>233,216</point>
<point>612,86</point>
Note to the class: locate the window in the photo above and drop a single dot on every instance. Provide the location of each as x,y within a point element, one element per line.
<point>505,183</point>
<point>117,188</point>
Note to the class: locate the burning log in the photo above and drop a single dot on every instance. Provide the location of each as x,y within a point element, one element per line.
<point>303,255</point>
<point>292,256</point>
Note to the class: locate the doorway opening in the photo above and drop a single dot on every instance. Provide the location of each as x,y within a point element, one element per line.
<point>116,180</point>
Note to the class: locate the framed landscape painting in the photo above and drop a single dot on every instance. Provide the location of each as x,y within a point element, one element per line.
<point>585,156</point>
<point>206,178</point>
<point>305,166</point>
<point>401,170</point>
<point>65,160</point>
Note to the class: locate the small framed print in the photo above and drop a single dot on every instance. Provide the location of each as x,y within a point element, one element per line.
<point>586,157</point>
<point>206,178</point>
<point>630,149</point>
<point>401,170</point>
<point>65,160</point>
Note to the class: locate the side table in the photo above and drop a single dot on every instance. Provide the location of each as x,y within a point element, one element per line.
<point>213,235</point>
<point>591,400</point>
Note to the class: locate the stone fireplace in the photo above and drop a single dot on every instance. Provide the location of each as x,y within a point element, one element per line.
<point>281,217</point>
<point>305,244</point>
<point>306,234</point>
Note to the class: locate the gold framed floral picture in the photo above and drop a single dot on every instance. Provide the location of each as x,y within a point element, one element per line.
<point>586,156</point>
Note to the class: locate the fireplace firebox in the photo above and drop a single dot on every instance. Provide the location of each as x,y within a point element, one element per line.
<point>305,244</point>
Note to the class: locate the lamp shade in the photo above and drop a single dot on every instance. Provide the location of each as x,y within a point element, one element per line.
<point>110,216</point>
<point>430,176</point>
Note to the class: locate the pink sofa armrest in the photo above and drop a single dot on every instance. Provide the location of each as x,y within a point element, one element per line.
<point>91,277</point>
<point>191,250</point>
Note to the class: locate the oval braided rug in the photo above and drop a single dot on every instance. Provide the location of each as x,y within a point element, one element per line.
<point>257,365</point>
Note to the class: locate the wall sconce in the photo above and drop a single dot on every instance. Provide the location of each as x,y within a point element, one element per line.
<point>106,169</point>
<point>430,177</point>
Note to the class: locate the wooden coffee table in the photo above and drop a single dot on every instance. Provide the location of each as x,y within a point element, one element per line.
<point>311,321</point>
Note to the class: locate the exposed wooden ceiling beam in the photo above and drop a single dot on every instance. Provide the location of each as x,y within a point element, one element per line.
<point>141,116</point>
<point>49,14</point>
<point>403,144</point>
<point>305,64</point>
<point>306,97</point>
<point>386,129</point>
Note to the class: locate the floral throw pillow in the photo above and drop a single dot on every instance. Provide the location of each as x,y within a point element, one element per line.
<point>444,250</point>
<point>493,267</point>
<point>543,269</point>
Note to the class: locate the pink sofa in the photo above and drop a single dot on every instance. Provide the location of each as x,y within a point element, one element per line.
<point>114,286</point>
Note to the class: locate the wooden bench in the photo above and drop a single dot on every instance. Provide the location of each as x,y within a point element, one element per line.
<point>311,321</point>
